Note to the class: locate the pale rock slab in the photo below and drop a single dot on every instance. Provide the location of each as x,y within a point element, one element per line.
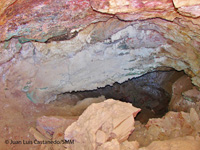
<point>188,7</point>
<point>128,53</point>
<point>192,11</point>
<point>181,3</point>
<point>130,6</point>
<point>129,145</point>
<point>80,106</point>
<point>109,120</point>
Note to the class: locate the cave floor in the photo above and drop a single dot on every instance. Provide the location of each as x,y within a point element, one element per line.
<point>18,114</point>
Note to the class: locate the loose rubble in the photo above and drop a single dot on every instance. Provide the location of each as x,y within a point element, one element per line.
<point>172,125</point>
<point>110,125</point>
<point>102,123</point>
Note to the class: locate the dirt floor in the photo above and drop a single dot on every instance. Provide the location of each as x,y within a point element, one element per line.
<point>18,114</point>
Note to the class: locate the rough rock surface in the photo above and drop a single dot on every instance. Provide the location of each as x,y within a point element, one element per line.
<point>49,47</point>
<point>115,145</point>
<point>45,52</point>
<point>48,124</point>
<point>40,20</point>
<point>172,125</point>
<point>102,125</point>
<point>43,70</point>
<point>51,128</point>
<point>188,7</point>
<point>185,96</point>
<point>150,92</point>
<point>181,143</point>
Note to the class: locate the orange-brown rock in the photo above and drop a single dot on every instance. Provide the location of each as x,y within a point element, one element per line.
<point>181,143</point>
<point>172,125</point>
<point>184,96</point>
<point>4,4</point>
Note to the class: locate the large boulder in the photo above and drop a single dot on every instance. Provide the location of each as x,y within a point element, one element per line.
<point>102,123</point>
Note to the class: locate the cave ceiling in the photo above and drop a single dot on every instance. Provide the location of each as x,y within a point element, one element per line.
<point>49,47</point>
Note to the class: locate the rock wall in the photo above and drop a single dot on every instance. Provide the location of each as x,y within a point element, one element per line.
<point>48,48</point>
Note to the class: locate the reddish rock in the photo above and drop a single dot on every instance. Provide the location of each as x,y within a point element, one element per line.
<point>50,124</point>
<point>185,96</point>
<point>4,4</point>
<point>59,136</point>
<point>193,94</point>
<point>42,19</point>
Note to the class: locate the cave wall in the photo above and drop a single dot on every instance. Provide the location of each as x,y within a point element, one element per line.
<point>49,47</point>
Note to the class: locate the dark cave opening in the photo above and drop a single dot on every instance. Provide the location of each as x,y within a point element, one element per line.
<point>151,92</point>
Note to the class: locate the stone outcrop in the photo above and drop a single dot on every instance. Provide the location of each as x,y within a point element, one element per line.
<point>91,44</point>
<point>91,60</point>
<point>185,96</point>
<point>108,125</point>
<point>172,125</point>
<point>150,92</point>
<point>189,8</point>
<point>103,126</point>
<point>40,20</point>
<point>49,47</point>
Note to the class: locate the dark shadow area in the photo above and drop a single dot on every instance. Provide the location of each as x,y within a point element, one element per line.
<point>150,92</point>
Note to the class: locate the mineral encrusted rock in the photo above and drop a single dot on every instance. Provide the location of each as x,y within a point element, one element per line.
<point>91,60</point>
<point>45,52</point>
<point>102,123</point>
<point>48,47</point>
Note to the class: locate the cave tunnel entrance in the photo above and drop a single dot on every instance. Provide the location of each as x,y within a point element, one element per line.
<point>151,92</point>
